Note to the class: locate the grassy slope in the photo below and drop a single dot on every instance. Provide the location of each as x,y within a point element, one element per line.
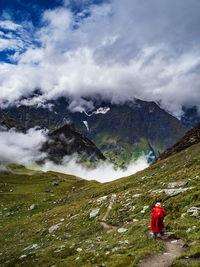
<point>21,227</point>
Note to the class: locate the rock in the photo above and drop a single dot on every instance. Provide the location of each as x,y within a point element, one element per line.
<point>102,198</point>
<point>117,248</point>
<point>94,213</point>
<point>32,207</point>
<point>55,183</point>
<point>54,227</point>
<point>79,249</point>
<point>183,215</point>
<point>158,191</point>
<point>191,228</point>
<point>67,235</point>
<point>22,257</point>
<point>136,195</point>
<point>194,211</point>
<point>144,209</point>
<point>176,184</point>
<point>32,247</point>
<point>175,192</point>
<point>59,249</point>
<point>114,195</point>
<point>122,230</point>
<point>62,220</point>
<point>174,241</point>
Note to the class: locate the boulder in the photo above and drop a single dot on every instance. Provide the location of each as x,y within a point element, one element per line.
<point>176,184</point>
<point>54,227</point>
<point>174,192</point>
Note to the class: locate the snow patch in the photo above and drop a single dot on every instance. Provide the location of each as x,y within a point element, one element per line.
<point>101,110</point>
<point>86,125</point>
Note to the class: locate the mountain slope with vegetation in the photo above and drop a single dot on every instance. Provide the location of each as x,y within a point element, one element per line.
<point>67,141</point>
<point>123,132</point>
<point>55,219</point>
<point>190,138</point>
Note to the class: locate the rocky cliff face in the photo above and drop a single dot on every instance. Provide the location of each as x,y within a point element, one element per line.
<point>6,123</point>
<point>192,137</point>
<point>67,141</point>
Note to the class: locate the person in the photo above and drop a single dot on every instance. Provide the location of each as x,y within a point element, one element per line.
<point>157,225</point>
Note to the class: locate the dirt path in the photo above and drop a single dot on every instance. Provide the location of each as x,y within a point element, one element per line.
<point>107,227</point>
<point>172,249</point>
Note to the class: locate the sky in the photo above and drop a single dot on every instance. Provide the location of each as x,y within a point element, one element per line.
<point>119,49</point>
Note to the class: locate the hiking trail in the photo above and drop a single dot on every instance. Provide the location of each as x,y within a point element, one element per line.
<point>172,248</point>
<point>107,227</point>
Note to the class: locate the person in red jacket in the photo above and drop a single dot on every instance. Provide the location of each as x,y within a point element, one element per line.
<point>157,218</point>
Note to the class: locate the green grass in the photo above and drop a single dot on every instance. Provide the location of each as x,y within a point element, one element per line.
<point>70,203</point>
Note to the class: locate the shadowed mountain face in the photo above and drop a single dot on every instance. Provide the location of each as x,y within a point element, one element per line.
<point>66,141</point>
<point>191,116</point>
<point>6,123</point>
<point>192,137</point>
<point>123,132</point>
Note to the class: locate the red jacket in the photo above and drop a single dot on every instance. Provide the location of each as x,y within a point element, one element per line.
<point>157,218</point>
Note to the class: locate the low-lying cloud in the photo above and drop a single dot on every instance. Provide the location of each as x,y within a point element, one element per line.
<point>24,148</point>
<point>120,50</point>
<point>104,172</point>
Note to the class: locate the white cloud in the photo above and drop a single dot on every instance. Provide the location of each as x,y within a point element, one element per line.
<point>102,173</point>
<point>20,147</point>
<point>123,49</point>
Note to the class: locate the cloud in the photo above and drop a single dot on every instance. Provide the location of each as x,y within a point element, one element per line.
<point>21,148</point>
<point>24,148</point>
<point>103,173</point>
<point>120,50</point>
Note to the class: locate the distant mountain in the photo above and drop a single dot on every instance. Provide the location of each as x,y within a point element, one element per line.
<point>192,137</point>
<point>7,123</point>
<point>67,141</point>
<point>190,117</point>
<point>123,132</point>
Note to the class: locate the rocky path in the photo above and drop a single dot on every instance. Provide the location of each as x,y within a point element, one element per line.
<point>107,227</point>
<point>172,249</point>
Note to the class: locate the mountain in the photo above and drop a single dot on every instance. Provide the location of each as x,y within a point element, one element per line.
<point>67,141</point>
<point>190,117</point>
<point>54,219</point>
<point>192,137</point>
<point>123,132</point>
<point>6,123</point>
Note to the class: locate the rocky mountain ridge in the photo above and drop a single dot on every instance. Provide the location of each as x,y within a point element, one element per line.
<point>192,137</point>
<point>123,132</point>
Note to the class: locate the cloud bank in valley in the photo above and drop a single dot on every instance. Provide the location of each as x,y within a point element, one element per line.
<point>24,148</point>
<point>119,49</point>
<point>104,172</point>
